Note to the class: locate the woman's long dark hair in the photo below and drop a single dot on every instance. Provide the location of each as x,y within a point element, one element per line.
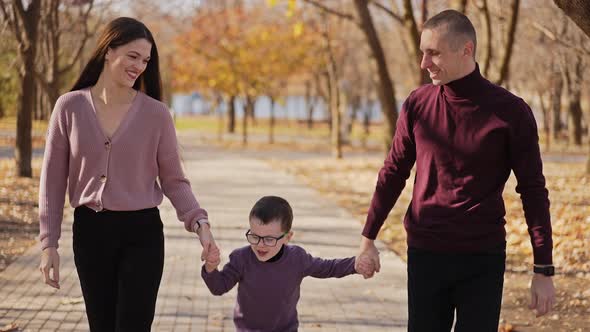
<point>118,32</point>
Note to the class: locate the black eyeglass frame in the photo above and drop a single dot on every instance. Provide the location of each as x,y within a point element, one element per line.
<point>263,238</point>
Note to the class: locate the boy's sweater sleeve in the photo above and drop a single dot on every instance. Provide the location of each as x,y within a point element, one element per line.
<point>327,268</point>
<point>221,282</point>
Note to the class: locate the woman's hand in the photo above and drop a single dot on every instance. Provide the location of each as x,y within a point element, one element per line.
<point>49,262</point>
<point>213,260</point>
<point>207,240</point>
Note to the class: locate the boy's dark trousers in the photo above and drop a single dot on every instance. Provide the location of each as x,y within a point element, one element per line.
<point>441,283</point>
<point>119,258</point>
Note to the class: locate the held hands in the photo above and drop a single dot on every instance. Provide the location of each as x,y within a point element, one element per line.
<point>50,261</point>
<point>212,261</point>
<point>367,261</point>
<point>206,239</point>
<point>542,294</point>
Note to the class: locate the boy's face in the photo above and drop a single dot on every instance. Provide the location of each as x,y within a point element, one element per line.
<point>273,229</point>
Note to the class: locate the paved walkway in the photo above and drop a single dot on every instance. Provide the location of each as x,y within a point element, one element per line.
<point>227,185</point>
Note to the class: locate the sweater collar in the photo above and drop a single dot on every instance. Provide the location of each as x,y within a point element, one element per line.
<point>468,86</point>
<point>277,256</point>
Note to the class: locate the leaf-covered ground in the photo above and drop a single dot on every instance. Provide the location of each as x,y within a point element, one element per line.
<point>18,211</point>
<point>351,181</point>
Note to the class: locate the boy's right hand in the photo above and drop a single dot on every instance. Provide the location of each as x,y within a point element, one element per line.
<point>212,260</point>
<point>364,265</point>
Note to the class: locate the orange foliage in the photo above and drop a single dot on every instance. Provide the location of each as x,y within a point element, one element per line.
<point>243,52</point>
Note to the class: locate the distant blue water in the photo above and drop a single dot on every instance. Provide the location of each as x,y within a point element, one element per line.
<point>293,107</point>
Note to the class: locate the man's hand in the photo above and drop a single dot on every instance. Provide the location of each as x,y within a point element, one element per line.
<point>364,265</point>
<point>49,262</point>
<point>212,261</point>
<point>542,294</point>
<point>367,261</point>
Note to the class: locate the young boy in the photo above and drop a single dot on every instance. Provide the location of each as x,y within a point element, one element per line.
<point>269,271</point>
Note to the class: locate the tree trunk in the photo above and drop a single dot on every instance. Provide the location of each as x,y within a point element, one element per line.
<point>27,50</point>
<point>217,101</point>
<point>333,100</point>
<point>24,147</point>
<point>336,136</point>
<point>366,122</point>
<point>231,115</point>
<point>309,104</point>
<point>578,11</point>
<point>38,103</point>
<point>508,45</point>
<point>487,33</point>
<point>556,91</point>
<point>271,124</point>
<point>386,90</point>
<point>245,123</point>
<point>355,105</point>
<point>546,120</point>
<point>413,35</point>
<point>250,106</point>
<point>575,118</point>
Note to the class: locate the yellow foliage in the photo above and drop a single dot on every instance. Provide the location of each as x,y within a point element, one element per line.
<point>297,29</point>
<point>239,52</point>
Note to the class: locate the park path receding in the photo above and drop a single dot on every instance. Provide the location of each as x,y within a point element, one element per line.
<point>227,184</point>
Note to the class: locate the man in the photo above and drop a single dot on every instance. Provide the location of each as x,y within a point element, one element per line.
<point>465,135</point>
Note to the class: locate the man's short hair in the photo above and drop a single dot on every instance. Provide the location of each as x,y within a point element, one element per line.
<point>459,28</point>
<point>273,208</point>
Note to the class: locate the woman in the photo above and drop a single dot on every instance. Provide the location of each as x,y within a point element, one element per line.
<point>112,143</point>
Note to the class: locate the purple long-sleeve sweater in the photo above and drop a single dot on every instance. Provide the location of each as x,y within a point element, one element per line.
<point>268,292</point>
<point>131,170</point>
<point>465,137</point>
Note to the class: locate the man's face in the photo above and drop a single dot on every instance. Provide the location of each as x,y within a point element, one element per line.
<point>440,60</point>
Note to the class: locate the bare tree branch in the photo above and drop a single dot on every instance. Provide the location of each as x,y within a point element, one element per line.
<point>329,10</point>
<point>16,23</point>
<point>552,36</point>
<point>83,18</point>
<point>388,11</point>
<point>5,16</point>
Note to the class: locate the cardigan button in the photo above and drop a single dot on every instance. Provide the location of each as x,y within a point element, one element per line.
<point>103,178</point>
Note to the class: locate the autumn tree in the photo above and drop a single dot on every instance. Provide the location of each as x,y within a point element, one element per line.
<point>241,52</point>
<point>65,28</point>
<point>23,19</point>
<point>579,12</point>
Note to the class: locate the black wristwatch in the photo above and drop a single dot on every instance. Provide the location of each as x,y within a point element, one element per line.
<point>548,270</point>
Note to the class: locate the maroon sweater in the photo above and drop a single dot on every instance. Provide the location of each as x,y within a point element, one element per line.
<point>268,292</point>
<point>465,137</point>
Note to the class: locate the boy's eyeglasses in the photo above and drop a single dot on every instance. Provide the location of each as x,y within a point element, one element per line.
<point>269,241</point>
